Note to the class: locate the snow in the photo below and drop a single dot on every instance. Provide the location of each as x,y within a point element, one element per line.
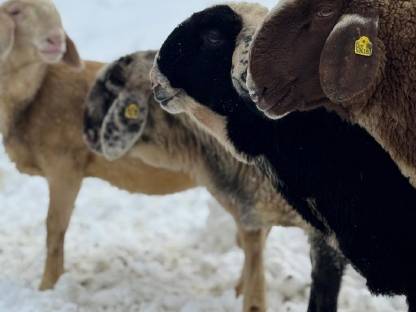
<point>127,252</point>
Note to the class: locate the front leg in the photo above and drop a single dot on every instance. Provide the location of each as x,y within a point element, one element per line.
<point>64,186</point>
<point>328,267</point>
<point>411,301</point>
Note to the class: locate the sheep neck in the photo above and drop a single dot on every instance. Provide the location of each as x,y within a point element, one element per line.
<point>19,84</point>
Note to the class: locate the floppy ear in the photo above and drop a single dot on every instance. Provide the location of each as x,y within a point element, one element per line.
<point>124,124</point>
<point>351,57</point>
<point>71,56</point>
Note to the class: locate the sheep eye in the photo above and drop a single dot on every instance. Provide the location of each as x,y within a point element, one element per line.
<point>15,12</point>
<point>325,12</point>
<point>213,38</point>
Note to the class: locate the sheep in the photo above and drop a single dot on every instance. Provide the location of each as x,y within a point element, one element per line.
<point>42,106</point>
<point>332,172</point>
<point>122,120</point>
<point>356,57</point>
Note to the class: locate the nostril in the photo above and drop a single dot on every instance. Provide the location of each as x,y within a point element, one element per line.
<point>264,91</point>
<point>244,77</point>
<point>92,136</point>
<point>254,96</point>
<point>158,91</point>
<point>54,40</point>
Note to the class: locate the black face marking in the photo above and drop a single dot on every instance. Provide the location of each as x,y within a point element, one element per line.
<point>117,76</point>
<point>196,56</point>
<point>103,94</point>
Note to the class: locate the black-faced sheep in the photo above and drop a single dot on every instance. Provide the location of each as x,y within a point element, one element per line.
<point>355,56</point>
<point>177,143</point>
<point>333,173</point>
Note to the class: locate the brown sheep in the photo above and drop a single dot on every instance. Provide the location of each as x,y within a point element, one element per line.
<point>354,56</point>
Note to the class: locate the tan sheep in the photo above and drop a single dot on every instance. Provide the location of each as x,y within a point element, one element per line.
<point>41,121</point>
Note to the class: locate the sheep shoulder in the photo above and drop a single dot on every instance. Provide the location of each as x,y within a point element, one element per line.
<point>51,119</point>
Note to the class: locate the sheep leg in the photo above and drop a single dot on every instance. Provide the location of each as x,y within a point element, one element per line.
<point>411,301</point>
<point>62,194</point>
<point>327,270</point>
<point>240,285</point>
<point>252,281</point>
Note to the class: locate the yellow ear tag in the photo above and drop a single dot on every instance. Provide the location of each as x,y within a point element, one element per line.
<point>364,46</point>
<point>132,111</point>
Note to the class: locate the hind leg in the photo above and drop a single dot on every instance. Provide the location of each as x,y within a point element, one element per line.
<point>327,270</point>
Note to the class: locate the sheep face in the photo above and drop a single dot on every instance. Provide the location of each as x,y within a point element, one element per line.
<point>39,32</point>
<point>194,71</point>
<point>195,60</point>
<point>310,52</point>
<point>6,35</point>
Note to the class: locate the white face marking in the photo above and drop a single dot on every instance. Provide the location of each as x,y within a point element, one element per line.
<point>240,70</point>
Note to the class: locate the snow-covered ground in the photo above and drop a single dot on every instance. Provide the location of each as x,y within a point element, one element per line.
<point>128,253</point>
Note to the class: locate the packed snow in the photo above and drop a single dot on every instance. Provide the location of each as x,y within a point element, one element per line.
<point>130,252</point>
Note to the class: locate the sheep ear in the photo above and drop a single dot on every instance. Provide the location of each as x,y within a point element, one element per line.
<point>71,56</point>
<point>351,58</point>
<point>124,124</point>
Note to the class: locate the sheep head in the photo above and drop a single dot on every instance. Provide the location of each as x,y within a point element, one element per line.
<point>118,105</point>
<point>203,62</point>
<point>195,59</point>
<point>313,52</point>
<point>39,35</point>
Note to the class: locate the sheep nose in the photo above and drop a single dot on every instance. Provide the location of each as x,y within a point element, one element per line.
<point>160,93</point>
<point>91,129</point>
<point>92,136</point>
<point>252,88</point>
<point>56,39</point>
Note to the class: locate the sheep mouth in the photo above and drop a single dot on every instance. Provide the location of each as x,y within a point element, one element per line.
<point>240,87</point>
<point>164,101</point>
<point>276,108</point>
<point>52,55</point>
<point>163,96</point>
